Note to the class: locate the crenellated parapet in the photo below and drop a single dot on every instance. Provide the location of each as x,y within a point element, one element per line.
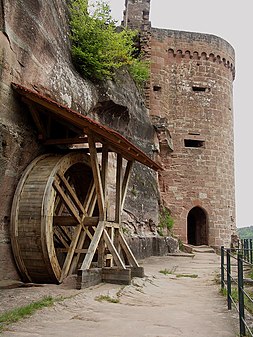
<point>202,56</point>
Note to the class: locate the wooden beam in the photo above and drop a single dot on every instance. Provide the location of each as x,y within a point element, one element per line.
<point>60,237</point>
<point>93,246</point>
<point>37,119</point>
<point>111,224</point>
<point>62,220</point>
<point>104,169</point>
<point>62,113</point>
<point>71,252</point>
<point>118,189</point>
<point>71,193</point>
<point>77,250</point>
<point>130,256</point>
<point>126,182</point>
<point>66,201</point>
<point>116,275</point>
<point>113,250</point>
<point>97,177</point>
<point>66,141</point>
<point>88,197</point>
<point>101,253</point>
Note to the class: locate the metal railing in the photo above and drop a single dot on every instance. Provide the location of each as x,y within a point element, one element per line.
<point>233,263</point>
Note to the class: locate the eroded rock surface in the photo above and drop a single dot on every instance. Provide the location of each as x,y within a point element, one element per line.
<point>35,52</point>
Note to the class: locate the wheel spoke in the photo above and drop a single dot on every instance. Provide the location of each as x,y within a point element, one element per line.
<point>72,194</point>
<point>71,252</point>
<point>61,237</point>
<point>66,201</point>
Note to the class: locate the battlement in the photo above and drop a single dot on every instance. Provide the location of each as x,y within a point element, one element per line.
<point>187,54</point>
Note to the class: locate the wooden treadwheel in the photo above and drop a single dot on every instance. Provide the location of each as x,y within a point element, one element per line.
<point>54,204</point>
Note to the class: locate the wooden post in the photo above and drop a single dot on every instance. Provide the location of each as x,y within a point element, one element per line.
<point>93,246</point>
<point>118,189</point>
<point>105,175</point>
<point>126,182</point>
<point>97,177</point>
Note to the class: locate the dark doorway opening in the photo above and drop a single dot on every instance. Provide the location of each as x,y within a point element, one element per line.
<point>197,227</point>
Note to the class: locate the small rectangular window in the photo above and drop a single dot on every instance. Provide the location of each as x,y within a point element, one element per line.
<point>200,89</point>
<point>194,143</point>
<point>157,88</point>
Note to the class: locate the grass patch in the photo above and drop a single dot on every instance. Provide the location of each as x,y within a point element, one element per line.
<point>166,272</point>
<point>234,294</point>
<point>187,275</point>
<point>17,314</point>
<point>172,272</point>
<point>107,298</point>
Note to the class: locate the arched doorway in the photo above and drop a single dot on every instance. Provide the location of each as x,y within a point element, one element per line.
<point>197,227</point>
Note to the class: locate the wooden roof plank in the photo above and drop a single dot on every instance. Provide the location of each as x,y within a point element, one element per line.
<point>113,138</point>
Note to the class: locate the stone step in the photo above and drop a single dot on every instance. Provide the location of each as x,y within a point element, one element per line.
<point>198,249</point>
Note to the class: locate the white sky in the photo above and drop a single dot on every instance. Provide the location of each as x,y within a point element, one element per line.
<point>232,21</point>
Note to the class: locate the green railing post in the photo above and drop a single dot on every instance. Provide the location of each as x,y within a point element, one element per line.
<point>247,250</point>
<point>229,280</point>
<point>244,249</point>
<point>250,247</point>
<point>241,295</point>
<point>242,246</point>
<point>222,268</point>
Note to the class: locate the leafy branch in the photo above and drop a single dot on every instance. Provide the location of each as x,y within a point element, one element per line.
<point>99,48</point>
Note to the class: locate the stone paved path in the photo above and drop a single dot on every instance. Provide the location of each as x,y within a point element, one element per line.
<point>156,306</point>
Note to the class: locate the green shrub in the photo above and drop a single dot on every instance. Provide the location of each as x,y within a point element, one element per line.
<point>139,71</point>
<point>98,47</point>
<point>166,221</point>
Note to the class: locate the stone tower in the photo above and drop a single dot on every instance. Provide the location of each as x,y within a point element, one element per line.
<point>191,100</point>
<point>136,14</point>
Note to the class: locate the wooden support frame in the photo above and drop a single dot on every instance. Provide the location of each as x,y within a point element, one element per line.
<point>107,235</point>
<point>80,233</point>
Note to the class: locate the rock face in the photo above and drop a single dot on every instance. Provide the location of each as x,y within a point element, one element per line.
<point>35,52</point>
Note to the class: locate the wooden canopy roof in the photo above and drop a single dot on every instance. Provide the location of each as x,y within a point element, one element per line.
<point>75,127</point>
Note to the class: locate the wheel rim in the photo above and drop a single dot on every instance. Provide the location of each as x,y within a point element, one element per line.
<point>52,199</point>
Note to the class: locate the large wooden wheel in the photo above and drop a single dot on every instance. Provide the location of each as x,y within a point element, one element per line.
<point>54,215</point>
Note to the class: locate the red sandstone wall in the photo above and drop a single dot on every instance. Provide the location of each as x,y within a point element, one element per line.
<point>202,176</point>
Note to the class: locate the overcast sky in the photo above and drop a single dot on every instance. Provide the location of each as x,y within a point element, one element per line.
<point>231,20</point>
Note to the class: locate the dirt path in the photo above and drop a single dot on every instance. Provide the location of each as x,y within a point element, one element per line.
<point>158,305</point>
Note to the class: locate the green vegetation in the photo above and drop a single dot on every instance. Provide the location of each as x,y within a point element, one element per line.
<point>134,191</point>
<point>166,272</point>
<point>172,272</point>
<point>99,48</point>
<point>250,274</point>
<point>234,294</point>
<point>106,298</point>
<point>245,232</point>
<point>166,221</point>
<point>187,275</point>
<point>17,314</point>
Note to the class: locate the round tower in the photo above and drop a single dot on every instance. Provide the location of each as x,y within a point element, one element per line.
<point>190,97</point>
<point>192,94</point>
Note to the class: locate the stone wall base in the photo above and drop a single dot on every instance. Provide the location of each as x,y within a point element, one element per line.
<point>145,246</point>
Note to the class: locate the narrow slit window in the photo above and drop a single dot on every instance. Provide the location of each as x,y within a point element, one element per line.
<point>194,143</point>
<point>200,89</point>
